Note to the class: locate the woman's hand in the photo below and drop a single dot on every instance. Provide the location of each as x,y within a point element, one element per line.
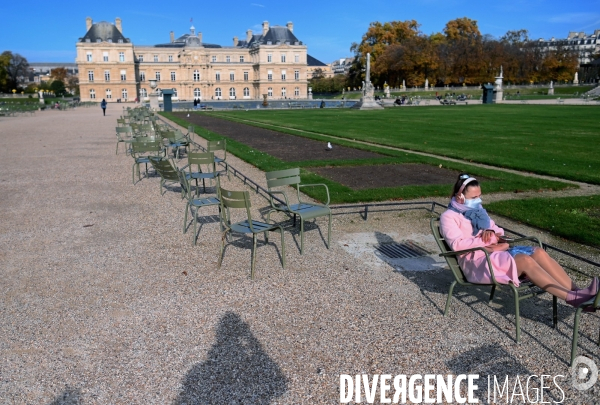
<point>486,236</point>
<point>498,247</point>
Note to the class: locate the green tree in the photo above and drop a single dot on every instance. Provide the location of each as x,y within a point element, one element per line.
<point>16,68</point>
<point>58,87</point>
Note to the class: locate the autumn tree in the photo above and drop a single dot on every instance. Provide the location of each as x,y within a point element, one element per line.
<point>59,73</point>
<point>413,60</point>
<point>4,62</point>
<point>379,36</point>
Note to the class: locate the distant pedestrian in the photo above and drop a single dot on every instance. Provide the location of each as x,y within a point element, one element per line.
<point>103,106</point>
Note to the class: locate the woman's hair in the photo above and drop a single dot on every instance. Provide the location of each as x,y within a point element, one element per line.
<point>459,182</point>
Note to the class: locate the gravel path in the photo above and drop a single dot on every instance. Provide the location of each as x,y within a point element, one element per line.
<point>104,300</point>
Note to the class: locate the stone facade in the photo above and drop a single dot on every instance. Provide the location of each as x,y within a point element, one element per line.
<point>273,62</point>
<point>585,45</point>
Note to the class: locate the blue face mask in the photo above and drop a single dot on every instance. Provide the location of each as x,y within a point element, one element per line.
<point>473,203</point>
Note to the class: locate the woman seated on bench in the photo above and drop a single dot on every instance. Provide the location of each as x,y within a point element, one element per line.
<point>466,225</point>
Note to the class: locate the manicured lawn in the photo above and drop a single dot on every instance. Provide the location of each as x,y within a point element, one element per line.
<point>498,181</point>
<point>574,218</point>
<point>558,140</point>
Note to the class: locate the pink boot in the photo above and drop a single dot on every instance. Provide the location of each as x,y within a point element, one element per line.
<point>592,288</point>
<point>576,298</point>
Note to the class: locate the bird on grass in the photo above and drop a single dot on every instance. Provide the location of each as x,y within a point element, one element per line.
<point>329,147</point>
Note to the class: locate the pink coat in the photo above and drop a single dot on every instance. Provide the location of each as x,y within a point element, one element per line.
<point>458,232</point>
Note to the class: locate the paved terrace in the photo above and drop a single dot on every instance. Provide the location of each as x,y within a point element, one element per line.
<point>105,301</point>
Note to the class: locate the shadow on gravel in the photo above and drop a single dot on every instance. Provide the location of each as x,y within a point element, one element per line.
<point>237,370</point>
<point>500,367</point>
<point>69,397</point>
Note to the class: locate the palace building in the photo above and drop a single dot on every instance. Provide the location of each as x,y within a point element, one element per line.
<point>111,67</point>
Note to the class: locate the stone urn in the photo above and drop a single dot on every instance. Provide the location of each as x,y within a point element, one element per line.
<point>265,103</point>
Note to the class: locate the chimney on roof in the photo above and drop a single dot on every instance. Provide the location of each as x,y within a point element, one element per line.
<point>118,24</point>
<point>172,37</point>
<point>88,24</point>
<point>265,26</point>
<point>200,37</point>
<point>235,41</point>
<point>248,35</point>
<point>290,26</point>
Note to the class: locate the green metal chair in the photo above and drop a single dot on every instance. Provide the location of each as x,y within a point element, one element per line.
<point>198,160</point>
<point>141,151</point>
<point>593,304</point>
<point>241,200</point>
<point>177,141</point>
<point>168,172</point>
<point>214,146</point>
<point>305,210</point>
<point>526,287</point>
<point>124,135</point>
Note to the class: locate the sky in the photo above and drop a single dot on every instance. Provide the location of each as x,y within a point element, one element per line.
<point>48,31</point>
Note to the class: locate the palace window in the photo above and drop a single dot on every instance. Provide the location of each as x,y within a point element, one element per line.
<point>283,75</point>
<point>141,58</point>
<point>232,92</point>
<point>269,57</point>
<point>105,56</point>
<point>214,58</point>
<point>123,75</point>
<point>142,76</point>
<point>89,56</point>
<point>270,75</point>
<point>231,76</point>
<point>218,92</point>
<point>218,76</point>
<point>227,59</point>
<point>246,76</point>
<point>170,58</point>
<point>174,92</point>
<point>172,76</point>
<point>196,75</point>
<point>197,93</point>
<point>155,58</point>
<point>157,76</point>
<point>296,58</point>
<point>108,93</point>
<point>241,58</point>
<point>107,75</point>
<point>124,94</point>
<point>92,93</point>
<point>283,57</point>
<point>121,56</point>
<point>143,93</point>
<point>246,92</point>
<point>296,91</point>
<point>270,92</point>
<point>283,92</point>
<point>91,75</point>
<point>296,75</point>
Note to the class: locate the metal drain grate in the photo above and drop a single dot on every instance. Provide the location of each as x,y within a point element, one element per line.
<point>401,250</point>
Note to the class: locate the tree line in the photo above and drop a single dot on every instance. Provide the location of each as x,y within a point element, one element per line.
<point>458,55</point>
<point>15,67</point>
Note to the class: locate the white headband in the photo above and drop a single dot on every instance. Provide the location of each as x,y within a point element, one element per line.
<point>467,181</point>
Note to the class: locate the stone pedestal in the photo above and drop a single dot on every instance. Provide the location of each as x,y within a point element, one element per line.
<point>367,101</point>
<point>551,91</point>
<point>154,101</point>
